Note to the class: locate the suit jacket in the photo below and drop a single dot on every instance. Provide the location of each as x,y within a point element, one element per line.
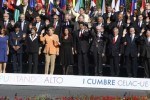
<point>81,44</point>
<point>20,8</point>
<point>70,26</point>
<point>58,28</point>
<point>9,11</point>
<point>16,40</point>
<point>41,27</point>
<point>121,27</point>
<point>32,44</point>
<point>144,14</point>
<point>9,27</point>
<point>114,49</point>
<point>51,44</point>
<point>25,27</point>
<point>146,47</point>
<point>132,48</point>
<point>98,44</point>
<point>138,28</point>
<point>112,17</point>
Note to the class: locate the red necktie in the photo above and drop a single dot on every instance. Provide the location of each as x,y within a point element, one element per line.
<point>54,25</point>
<point>5,24</point>
<point>114,40</point>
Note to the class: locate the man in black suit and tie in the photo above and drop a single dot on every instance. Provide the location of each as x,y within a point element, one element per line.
<point>76,24</point>
<point>100,22</point>
<point>16,41</point>
<point>98,49</point>
<point>146,52</point>
<point>140,24</point>
<point>39,24</point>
<point>6,23</point>
<point>67,23</point>
<point>132,51</point>
<point>24,25</point>
<point>114,51</point>
<point>24,8</point>
<point>7,10</point>
<point>81,46</point>
<point>120,24</point>
<point>146,12</point>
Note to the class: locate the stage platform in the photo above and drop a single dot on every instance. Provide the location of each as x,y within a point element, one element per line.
<point>69,85</point>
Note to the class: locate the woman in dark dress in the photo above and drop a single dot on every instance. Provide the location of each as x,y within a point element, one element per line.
<point>4,50</point>
<point>66,50</point>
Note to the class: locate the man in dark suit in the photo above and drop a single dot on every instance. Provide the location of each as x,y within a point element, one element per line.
<point>132,51</point>
<point>146,12</point>
<point>67,23</point>
<point>24,8</point>
<point>146,52</point>
<point>100,22</point>
<point>6,23</point>
<point>76,24</point>
<point>140,24</point>
<point>114,51</point>
<point>7,10</point>
<point>81,45</point>
<point>16,41</point>
<point>56,24</point>
<point>119,24</point>
<point>24,25</point>
<point>109,15</point>
<point>39,24</point>
<point>98,49</point>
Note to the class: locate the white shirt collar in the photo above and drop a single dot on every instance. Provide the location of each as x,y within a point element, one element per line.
<point>34,37</point>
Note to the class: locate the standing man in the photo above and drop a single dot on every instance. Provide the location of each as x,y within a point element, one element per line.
<point>146,52</point>
<point>16,41</point>
<point>114,51</point>
<point>81,45</point>
<point>132,49</point>
<point>98,49</point>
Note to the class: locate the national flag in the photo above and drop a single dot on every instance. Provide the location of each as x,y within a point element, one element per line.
<point>77,7</point>
<point>133,6</point>
<point>51,5</point>
<point>63,4</point>
<point>41,2</point>
<point>143,4</point>
<point>117,5</point>
<point>82,3</point>
<point>3,2</point>
<point>103,7</point>
<point>113,3</point>
<point>73,3</point>
<point>123,3</point>
<point>9,4</point>
<point>100,3</point>
<point>17,12</point>
<point>93,4</point>
<point>32,3</point>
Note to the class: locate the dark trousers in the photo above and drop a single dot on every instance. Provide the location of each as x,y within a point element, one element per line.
<point>33,60</point>
<point>147,66</point>
<point>114,63</point>
<point>132,66</point>
<point>17,62</point>
<point>98,63</point>
<point>83,64</point>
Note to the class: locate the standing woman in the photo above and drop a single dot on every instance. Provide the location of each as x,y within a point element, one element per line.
<point>51,49</point>
<point>66,50</point>
<point>33,50</point>
<point>4,50</point>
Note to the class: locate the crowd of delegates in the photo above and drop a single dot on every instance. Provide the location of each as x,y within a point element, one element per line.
<point>119,37</point>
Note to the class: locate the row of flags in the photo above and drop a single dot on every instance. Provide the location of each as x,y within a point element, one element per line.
<point>77,4</point>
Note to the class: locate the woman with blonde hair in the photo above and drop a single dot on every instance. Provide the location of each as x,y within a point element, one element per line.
<point>51,49</point>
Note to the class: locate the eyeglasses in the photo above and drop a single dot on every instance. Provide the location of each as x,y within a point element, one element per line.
<point>5,16</point>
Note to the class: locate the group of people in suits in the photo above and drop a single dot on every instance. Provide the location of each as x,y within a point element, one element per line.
<point>119,37</point>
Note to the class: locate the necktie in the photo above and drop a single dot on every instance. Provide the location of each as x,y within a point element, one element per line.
<point>5,24</point>
<point>146,13</point>
<point>114,40</point>
<point>132,37</point>
<point>81,32</point>
<point>22,25</point>
<point>54,25</point>
<point>37,26</point>
<point>24,10</point>
<point>119,24</point>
